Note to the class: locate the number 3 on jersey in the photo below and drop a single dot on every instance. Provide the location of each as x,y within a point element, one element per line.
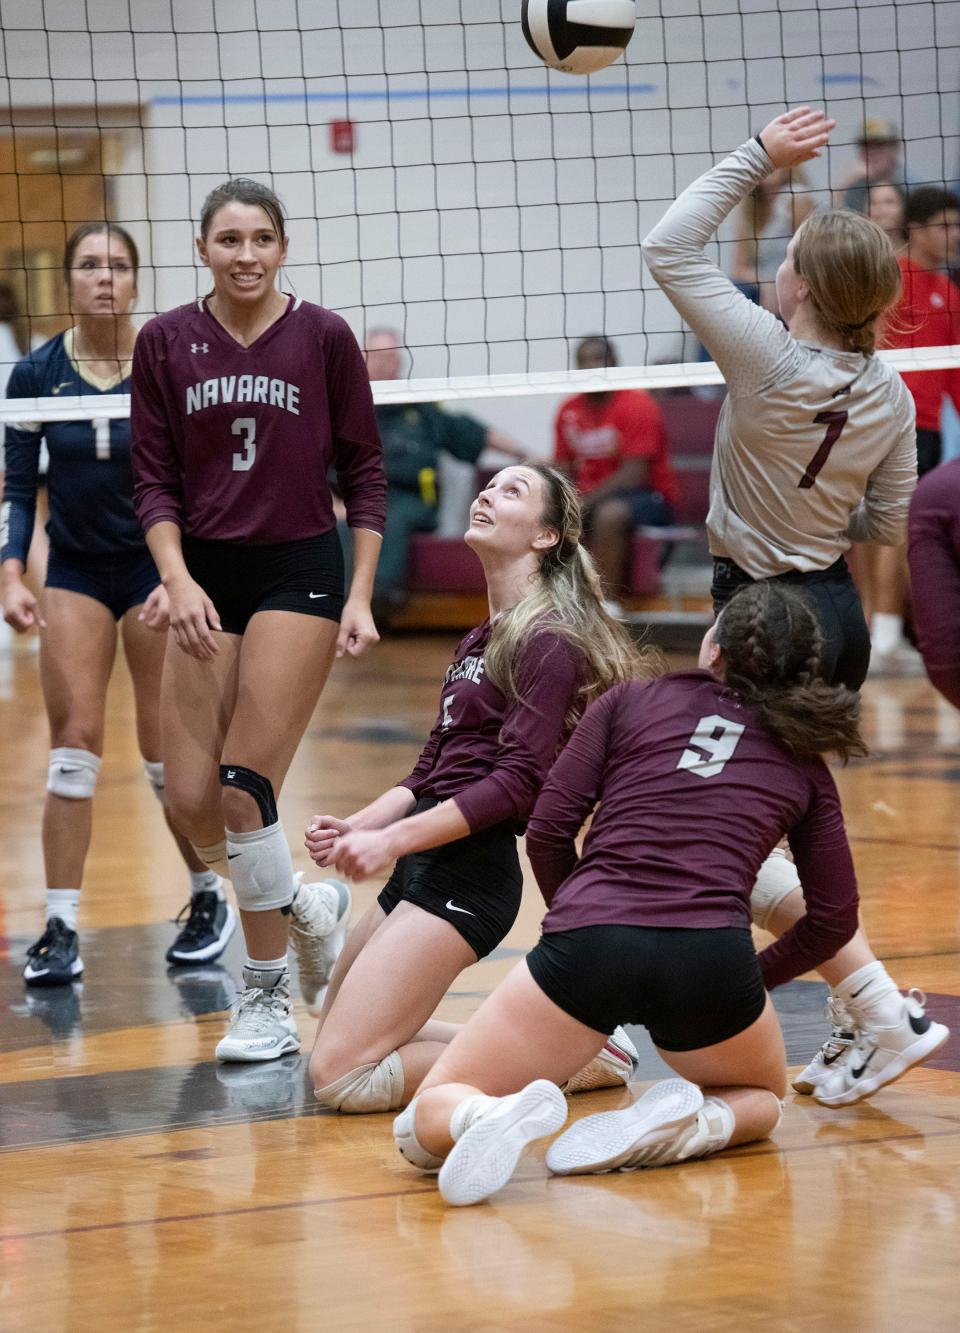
<point>247,427</point>
<point>715,739</point>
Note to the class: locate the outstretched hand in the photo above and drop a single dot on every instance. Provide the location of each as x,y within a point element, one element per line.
<point>796,136</point>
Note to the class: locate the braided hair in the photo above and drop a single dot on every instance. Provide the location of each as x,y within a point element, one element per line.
<point>771,645</point>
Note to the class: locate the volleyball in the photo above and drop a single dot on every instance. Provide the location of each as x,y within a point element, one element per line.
<point>578,36</point>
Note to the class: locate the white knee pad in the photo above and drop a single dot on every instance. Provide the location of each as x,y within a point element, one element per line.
<point>777,880</point>
<point>260,868</point>
<point>373,1087</point>
<point>73,773</point>
<point>405,1137</point>
<point>154,775</point>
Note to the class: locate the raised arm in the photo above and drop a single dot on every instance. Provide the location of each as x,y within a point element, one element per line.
<point>749,344</point>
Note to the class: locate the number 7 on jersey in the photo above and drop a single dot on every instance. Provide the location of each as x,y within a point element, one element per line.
<point>834,422</point>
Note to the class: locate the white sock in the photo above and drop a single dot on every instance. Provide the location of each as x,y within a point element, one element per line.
<point>468,1111</point>
<point>871,995</point>
<point>64,903</point>
<point>886,632</point>
<point>202,881</point>
<point>264,973</point>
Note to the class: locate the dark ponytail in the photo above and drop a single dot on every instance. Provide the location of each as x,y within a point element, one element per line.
<point>771,645</point>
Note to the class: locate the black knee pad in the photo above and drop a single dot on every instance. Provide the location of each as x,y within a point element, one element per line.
<point>255,785</point>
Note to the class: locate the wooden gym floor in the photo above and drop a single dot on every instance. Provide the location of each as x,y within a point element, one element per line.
<point>144,1186</point>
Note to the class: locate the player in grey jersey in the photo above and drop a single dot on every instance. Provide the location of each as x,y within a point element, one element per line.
<point>816,442</point>
<point>815,450</point>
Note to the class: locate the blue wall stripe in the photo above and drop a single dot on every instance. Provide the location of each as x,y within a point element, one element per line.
<point>572,89</point>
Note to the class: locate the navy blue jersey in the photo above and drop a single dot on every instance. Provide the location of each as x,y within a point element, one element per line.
<point>90,480</point>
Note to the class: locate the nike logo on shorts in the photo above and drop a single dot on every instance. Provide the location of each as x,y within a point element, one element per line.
<point>451,908</point>
<point>312,595</point>
<point>232,856</point>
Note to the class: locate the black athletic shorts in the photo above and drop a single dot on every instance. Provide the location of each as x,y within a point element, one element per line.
<point>688,988</point>
<point>304,576</point>
<point>474,883</point>
<point>833,595</point>
<point>929,451</point>
<point>119,581</point>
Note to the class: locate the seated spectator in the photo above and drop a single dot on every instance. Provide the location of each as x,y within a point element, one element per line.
<point>878,160</point>
<point>413,436</point>
<point>766,221</point>
<point>885,206</point>
<point>613,445</point>
<point>927,315</point>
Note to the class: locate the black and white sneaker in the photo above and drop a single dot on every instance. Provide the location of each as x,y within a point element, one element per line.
<point>206,932</point>
<point>55,958</point>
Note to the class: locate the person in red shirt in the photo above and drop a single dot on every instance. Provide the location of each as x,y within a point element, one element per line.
<point>927,315</point>
<point>614,447</point>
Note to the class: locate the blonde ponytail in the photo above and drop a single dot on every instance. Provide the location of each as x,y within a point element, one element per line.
<point>850,268</point>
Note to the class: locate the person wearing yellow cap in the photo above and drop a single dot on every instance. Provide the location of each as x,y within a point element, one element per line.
<point>878,162</point>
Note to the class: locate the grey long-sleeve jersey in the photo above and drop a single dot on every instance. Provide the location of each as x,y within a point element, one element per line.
<point>815,448</point>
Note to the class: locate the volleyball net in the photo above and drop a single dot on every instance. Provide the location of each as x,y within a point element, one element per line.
<point>439,181</point>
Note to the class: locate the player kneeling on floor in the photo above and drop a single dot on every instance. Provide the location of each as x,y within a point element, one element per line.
<point>651,923</point>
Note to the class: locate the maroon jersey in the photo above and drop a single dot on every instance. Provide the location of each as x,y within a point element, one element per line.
<point>694,795</point>
<point>934,537</point>
<point>233,443</point>
<point>491,754</point>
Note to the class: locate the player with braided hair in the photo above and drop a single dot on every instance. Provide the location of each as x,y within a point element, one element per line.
<point>698,775</point>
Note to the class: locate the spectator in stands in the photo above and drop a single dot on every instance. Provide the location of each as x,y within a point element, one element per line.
<point>886,203</point>
<point>927,315</point>
<point>613,445</point>
<point>766,221</point>
<point>934,547</point>
<point>878,160</point>
<point>413,436</point>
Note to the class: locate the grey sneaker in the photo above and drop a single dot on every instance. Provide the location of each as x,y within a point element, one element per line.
<point>262,1025</point>
<point>318,927</point>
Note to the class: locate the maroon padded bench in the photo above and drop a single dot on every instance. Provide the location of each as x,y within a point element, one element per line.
<point>447,565</point>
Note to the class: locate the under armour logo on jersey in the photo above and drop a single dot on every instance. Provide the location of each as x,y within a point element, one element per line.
<point>199,347</point>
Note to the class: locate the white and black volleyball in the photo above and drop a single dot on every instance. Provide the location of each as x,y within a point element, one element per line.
<point>578,36</point>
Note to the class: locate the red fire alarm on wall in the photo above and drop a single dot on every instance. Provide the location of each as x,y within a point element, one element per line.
<point>343,136</point>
